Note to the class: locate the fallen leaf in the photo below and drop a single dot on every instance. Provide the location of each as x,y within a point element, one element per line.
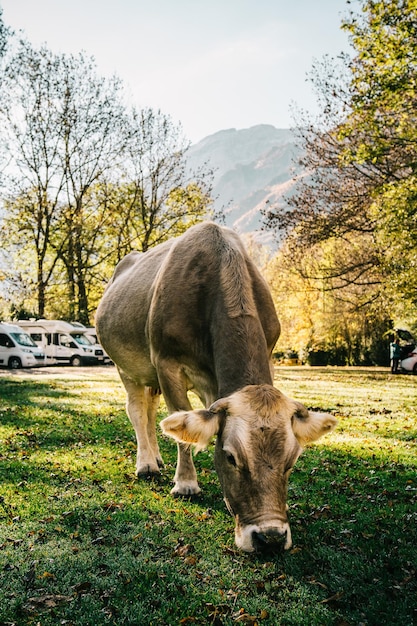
<point>333,598</point>
<point>82,587</point>
<point>219,609</point>
<point>98,541</point>
<point>190,560</point>
<point>183,550</point>
<point>15,542</point>
<point>205,515</point>
<point>47,601</point>
<point>245,618</point>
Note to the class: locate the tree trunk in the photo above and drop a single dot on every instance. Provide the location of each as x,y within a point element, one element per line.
<point>41,290</point>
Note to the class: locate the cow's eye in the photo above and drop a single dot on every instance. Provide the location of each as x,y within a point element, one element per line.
<point>231,459</point>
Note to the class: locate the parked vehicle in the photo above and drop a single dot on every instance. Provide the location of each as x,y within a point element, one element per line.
<point>17,349</point>
<point>91,334</point>
<point>63,342</point>
<point>408,362</point>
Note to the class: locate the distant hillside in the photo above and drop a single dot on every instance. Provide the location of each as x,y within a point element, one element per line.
<point>252,167</point>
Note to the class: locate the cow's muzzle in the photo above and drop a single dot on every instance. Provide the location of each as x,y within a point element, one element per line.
<point>269,540</point>
<point>264,539</point>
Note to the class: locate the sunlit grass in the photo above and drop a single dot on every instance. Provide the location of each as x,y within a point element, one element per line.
<point>83,542</point>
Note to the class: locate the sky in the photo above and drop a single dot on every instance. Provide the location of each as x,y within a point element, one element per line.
<point>209,64</point>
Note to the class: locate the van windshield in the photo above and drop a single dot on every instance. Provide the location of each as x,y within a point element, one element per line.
<point>23,339</point>
<point>81,339</point>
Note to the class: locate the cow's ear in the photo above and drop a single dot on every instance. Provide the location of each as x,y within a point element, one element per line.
<point>196,427</point>
<point>313,426</point>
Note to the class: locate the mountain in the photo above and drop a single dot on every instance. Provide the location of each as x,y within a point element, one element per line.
<point>252,168</point>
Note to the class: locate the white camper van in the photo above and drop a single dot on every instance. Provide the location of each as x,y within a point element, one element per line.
<point>63,342</point>
<point>17,349</point>
<point>91,334</point>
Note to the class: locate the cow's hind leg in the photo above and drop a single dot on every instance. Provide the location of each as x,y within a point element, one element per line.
<point>141,407</point>
<point>153,397</point>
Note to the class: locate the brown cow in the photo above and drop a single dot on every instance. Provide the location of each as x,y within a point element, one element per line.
<point>194,313</point>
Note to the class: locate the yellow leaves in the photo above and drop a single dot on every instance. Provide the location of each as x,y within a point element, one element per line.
<point>245,618</point>
<point>205,515</point>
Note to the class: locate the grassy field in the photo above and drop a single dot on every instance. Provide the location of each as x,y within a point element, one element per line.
<point>83,543</point>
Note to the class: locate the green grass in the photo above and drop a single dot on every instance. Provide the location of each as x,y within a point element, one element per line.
<point>83,543</point>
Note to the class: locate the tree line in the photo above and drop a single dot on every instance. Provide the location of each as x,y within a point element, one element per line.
<point>350,227</point>
<point>85,179</point>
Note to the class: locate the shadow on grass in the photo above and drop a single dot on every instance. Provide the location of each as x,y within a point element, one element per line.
<point>353,559</point>
<point>44,418</point>
<point>352,513</point>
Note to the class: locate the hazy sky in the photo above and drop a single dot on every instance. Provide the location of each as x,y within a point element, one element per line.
<point>209,64</point>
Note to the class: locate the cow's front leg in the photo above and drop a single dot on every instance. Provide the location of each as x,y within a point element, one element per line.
<point>185,478</point>
<point>141,408</point>
<point>174,387</point>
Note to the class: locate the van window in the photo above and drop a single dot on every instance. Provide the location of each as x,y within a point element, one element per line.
<point>23,339</point>
<point>36,336</point>
<point>5,341</point>
<point>81,339</point>
<point>65,341</point>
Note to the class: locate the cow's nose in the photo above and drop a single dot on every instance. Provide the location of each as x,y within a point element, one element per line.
<point>269,540</point>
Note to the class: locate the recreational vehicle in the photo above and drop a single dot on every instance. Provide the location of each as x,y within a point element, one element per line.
<point>63,342</point>
<point>17,349</point>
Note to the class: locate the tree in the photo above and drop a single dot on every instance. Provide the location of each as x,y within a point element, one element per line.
<point>360,159</point>
<point>325,326</point>
<point>88,180</point>
<point>63,126</point>
<point>162,197</point>
<point>36,180</point>
<point>3,35</point>
<point>382,129</point>
<point>92,142</point>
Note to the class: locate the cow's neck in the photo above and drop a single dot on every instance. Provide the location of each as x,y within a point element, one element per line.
<point>241,355</point>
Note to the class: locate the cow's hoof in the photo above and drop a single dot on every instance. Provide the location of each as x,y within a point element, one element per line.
<point>147,471</point>
<point>186,488</point>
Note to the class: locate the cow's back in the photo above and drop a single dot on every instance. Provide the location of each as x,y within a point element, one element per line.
<point>122,314</point>
<point>185,300</point>
<point>212,310</point>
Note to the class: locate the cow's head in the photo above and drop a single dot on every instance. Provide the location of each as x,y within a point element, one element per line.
<point>260,434</point>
